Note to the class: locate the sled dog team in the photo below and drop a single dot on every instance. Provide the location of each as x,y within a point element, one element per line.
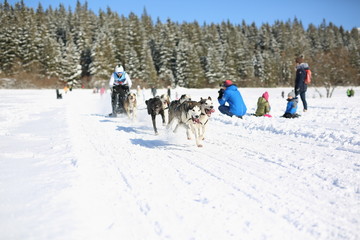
<point>190,114</point>
<point>193,115</point>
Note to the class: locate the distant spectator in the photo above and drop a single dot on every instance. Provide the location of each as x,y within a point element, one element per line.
<point>291,106</point>
<point>58,94</point>
<point>300,86</point>
<point>169,91</point>
<point>263,106</point>
<point>352,92</point>
<point>153,91</point>
<point>102,91</point>
<point>138,91</point>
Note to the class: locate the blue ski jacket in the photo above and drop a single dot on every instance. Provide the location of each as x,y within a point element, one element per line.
<point>236,103</point>
<point>292,105</point>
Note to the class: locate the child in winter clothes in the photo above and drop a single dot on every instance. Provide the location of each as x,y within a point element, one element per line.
<point>263,106</point>
<point>291,106</point>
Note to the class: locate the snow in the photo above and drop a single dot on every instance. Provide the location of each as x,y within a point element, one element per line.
<point>69,172</point>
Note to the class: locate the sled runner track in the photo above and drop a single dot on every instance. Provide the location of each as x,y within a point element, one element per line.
<point>263,192</point>
<point>302,173</point>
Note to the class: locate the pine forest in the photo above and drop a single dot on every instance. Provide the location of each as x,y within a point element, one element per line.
<point>59,45</point>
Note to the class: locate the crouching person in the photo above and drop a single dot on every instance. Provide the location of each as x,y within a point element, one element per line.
<point>231,95</point>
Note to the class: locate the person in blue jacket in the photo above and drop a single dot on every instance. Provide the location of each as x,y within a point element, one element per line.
<point>235,103</point>
<point>291,106</point>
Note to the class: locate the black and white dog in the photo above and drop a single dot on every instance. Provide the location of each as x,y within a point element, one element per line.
<point>207,108</point>
<point>188,114</point>
<point>165,99</point>
<point>175,104</point>
<point>155,107</point>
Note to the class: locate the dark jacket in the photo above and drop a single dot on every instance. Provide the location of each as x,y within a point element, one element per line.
<point>235,100</point>
<point>300,85</point>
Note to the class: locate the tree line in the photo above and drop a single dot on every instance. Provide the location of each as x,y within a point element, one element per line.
<point>78,47</point>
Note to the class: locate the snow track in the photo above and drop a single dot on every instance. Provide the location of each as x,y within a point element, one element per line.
<point>255,178</point>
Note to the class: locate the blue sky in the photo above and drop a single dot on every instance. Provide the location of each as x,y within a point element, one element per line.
<point>344,13</point>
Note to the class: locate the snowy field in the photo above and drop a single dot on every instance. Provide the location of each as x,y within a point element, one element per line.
<point>68,172</point>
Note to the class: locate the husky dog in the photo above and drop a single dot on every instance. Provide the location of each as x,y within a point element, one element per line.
<point>175,104</point>
<point>207,108</point>
<point>130,105</point>
<point>165,99</point>
<point>188,114</point>
<point>155,107</point>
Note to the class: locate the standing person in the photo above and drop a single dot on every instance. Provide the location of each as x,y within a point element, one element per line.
<point>102,90</point>
<point>153,91</point>
<point>66,89</point>
<point>58,94</point>
<point>231,95</point>
<point>300,86</point>
<point>263,106</point>
<point>143,93</point>
<point>348,93</point>
<point>169,91</point>
<point>352,92</point>
<point>120,84</point>
<point>138,91</point>
<point>291,106</point>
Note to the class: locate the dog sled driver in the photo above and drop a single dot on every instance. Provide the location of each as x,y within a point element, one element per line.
<point>231,95</point>
<point>119,84</point>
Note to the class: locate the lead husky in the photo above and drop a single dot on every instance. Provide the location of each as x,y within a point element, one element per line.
<point>207,108</point>
<point>188,114</point>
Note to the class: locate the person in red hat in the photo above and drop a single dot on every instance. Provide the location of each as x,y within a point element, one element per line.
<point>231,101</point>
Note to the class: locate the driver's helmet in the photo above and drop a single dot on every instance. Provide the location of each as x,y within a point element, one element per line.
<point>119,69</point>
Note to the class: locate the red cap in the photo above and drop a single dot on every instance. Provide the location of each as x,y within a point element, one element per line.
<point>228,83</point>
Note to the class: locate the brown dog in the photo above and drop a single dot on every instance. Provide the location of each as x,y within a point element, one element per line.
<point>130,105</point>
